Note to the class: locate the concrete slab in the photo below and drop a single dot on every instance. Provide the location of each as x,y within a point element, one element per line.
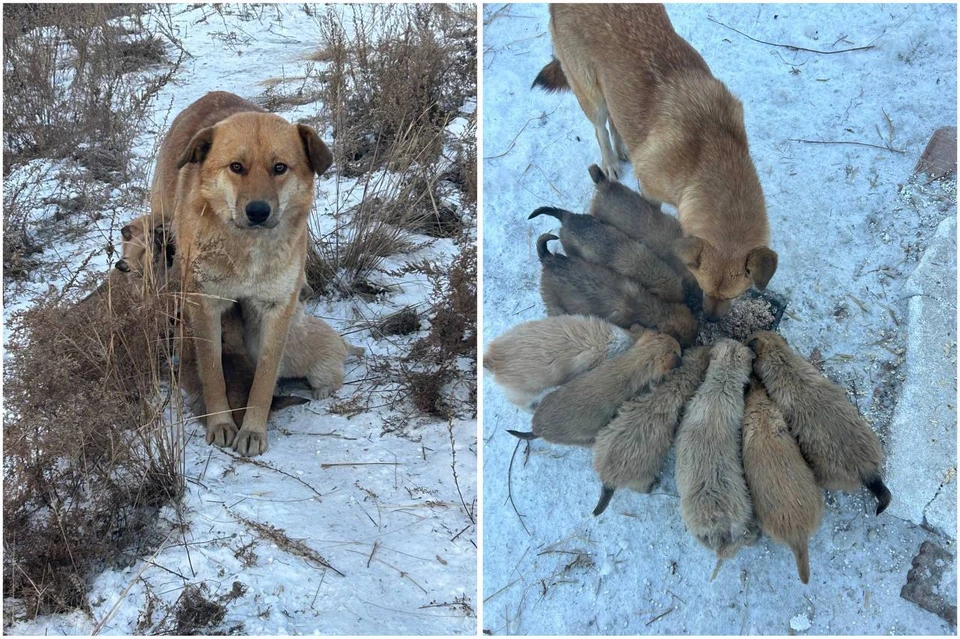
<point>922,450</point>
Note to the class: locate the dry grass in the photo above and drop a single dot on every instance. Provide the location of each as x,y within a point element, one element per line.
<point>93,444</point>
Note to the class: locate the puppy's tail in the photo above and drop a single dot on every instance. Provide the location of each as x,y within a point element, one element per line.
<point>597,174</point>
<point>551,78</point>
<point>876,486</point>
<point>801,553</point>
<point>606,494</point>
<point>542,251</point>
<point>552,211</point>
<point>519,434</point>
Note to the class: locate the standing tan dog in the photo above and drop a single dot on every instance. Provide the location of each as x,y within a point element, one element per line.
<point>239,182</point>
<point>681,129</point>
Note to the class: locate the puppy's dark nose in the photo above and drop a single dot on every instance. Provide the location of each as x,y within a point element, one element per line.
<point>122,266</point>
<point>257,212</point>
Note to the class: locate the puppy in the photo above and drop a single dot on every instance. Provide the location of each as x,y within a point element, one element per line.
<point>838,445</point>
<point>536,356</point>
<point>631,450</point>
<point>314,350</point>
<point>586,237</point>
<point>681,129</point>
<point>573,286</point>
<point>626,210</point>
<point>786,498</point>
<point>238,372</point>
<point>575,412</point>
<point>714,501</point>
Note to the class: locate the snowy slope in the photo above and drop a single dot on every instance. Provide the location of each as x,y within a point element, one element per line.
<point>848,233</point>
<point>387,500</point>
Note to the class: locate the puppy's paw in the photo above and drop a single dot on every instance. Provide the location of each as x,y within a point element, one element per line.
<point>250,443</point>
<point>222,434</point>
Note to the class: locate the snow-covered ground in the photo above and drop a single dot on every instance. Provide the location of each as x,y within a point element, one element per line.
<point>849,230</point>
<point>388,501</point>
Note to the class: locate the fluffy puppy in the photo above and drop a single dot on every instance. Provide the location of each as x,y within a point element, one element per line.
<point>714,501</point>
<point>631,450</point>
<point>536,356</point>
<point>575,412</point>
<point>313,350</point>
<point>586,237</point>
<point>786,498</point>
<point>639,219</point>
<point>838,445</point>
<point>573,286</point>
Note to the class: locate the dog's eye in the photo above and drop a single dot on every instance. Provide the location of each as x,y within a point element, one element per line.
<point>236,167</point>
<point>279,168</point>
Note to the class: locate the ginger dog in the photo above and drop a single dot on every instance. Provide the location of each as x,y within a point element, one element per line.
<point>785,495</point>
<point>536,356</point>
<point>838,445</point>
<point>239,182</point>
<point>681,129</point>
<point>714,501</point>
<point>570,285</point>
<point>631,450</point>
<point>586,237</point>
<point>575,412</point>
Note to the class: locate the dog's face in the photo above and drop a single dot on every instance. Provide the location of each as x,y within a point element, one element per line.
<point>724,277</point>
<point>256,169</point>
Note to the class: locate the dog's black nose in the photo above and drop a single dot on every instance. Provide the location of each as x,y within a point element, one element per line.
<point>258,211</point>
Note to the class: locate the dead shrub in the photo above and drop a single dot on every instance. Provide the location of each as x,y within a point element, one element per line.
<point>434,373</point>
<point>390,68</point>
<point>92,441</point>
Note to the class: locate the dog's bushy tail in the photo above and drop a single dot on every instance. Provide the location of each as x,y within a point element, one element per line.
<point>542,251</point>
<point>597,174</point>
<point>551,78</point>
<point>876,486</point>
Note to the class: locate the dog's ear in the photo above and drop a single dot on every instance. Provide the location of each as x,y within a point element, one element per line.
<point>127,232</point>
<point>761,265</point>
<point>688,249</point>
<point>198,148</point>
<point>318,153</point>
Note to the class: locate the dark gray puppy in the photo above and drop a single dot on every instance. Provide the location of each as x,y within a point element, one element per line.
<point>622,207</point>
<point>838,445</point>
<point>575,412</point>
<point>586,237</point>
<point>631,450</point>
<point>714,501</point>
<point>574,286</point>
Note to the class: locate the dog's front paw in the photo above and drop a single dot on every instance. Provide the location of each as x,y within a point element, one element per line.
<point>221,434</point>
<point>250,443</point>
<point>321,392</point>
<point>612,170</point>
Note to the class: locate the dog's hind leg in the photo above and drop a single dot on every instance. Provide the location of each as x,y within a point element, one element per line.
<point>622,152</point>
<point>595,108</point>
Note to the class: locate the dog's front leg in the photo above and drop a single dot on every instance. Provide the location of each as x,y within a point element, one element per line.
<point>204,316</point>
<point>275,321</point>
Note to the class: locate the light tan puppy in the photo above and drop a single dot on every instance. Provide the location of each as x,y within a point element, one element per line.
<point>240,184</point>
<point>631,450</point>
<point>785,495</point>
<point>584,236</point>
<point>537,356</point>
<point>575,412</point>
<point>681,129</point>
<point>314,350</point>
<point>714,501</point>
<point>571,285</point>
<point>640,220</point>
<point>838,445</point>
